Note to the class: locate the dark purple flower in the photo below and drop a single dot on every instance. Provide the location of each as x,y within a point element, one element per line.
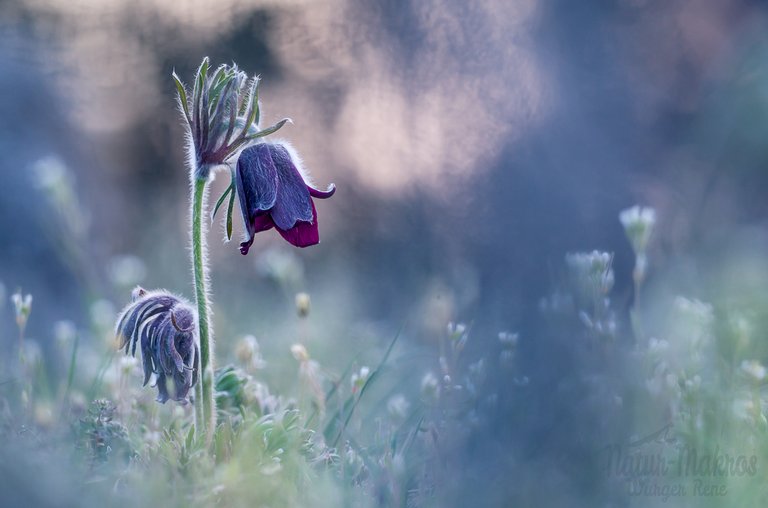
<point>165,327</point>
<point>274,193</point>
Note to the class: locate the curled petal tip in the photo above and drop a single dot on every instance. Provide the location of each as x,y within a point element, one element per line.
<point>245,247</point>
<point>316,193</point>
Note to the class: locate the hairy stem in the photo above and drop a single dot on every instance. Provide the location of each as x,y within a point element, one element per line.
<point>205,410</point>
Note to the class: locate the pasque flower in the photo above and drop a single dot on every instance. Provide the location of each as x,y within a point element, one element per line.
<point>275,191</point>
<point>164,325</point>
<point>222,114</point>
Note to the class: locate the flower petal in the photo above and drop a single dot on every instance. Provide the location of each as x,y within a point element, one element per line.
<point>304,233</point>
<point>293,203</point>
<point>256,181</point>
<point>259,223</point>
<point>162,389</point>
<point>316,193</point>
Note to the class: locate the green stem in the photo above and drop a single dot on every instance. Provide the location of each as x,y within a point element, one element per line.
<point>205,409</point>
<point>71,373</point>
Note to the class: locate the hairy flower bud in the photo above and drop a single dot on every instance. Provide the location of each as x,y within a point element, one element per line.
<point>164,325</point>
<point>222,115</point>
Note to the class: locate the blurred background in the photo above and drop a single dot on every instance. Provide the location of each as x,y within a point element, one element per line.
<point>473,145</point>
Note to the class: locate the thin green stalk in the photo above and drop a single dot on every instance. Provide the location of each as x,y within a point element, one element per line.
<point>71,373</point>
<point>205,409</point>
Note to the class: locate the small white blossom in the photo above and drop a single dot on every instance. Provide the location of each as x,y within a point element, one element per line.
<point>22,306</point>
<point>638,225</point>
<point>430,388</point>
<point>455,330</point>
<point>359,378</point>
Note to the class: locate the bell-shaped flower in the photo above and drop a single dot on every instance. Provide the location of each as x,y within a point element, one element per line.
<point>164,325</point>
<point>275,191</point>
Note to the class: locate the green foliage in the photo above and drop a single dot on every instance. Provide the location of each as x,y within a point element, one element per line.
<point>101,436</point>
<point>229,385</point>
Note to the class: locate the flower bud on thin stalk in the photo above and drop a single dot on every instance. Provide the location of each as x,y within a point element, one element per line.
<point>303,305</point>
<point>310,377</point>
<point>638,223</point>
<point>22,306</point>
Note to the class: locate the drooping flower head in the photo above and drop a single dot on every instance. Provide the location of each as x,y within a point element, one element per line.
<point>275,191</point>
<point>222,115</point>
<point>164,325</point>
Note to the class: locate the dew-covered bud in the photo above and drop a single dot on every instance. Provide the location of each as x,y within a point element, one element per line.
<point>165,326</point>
